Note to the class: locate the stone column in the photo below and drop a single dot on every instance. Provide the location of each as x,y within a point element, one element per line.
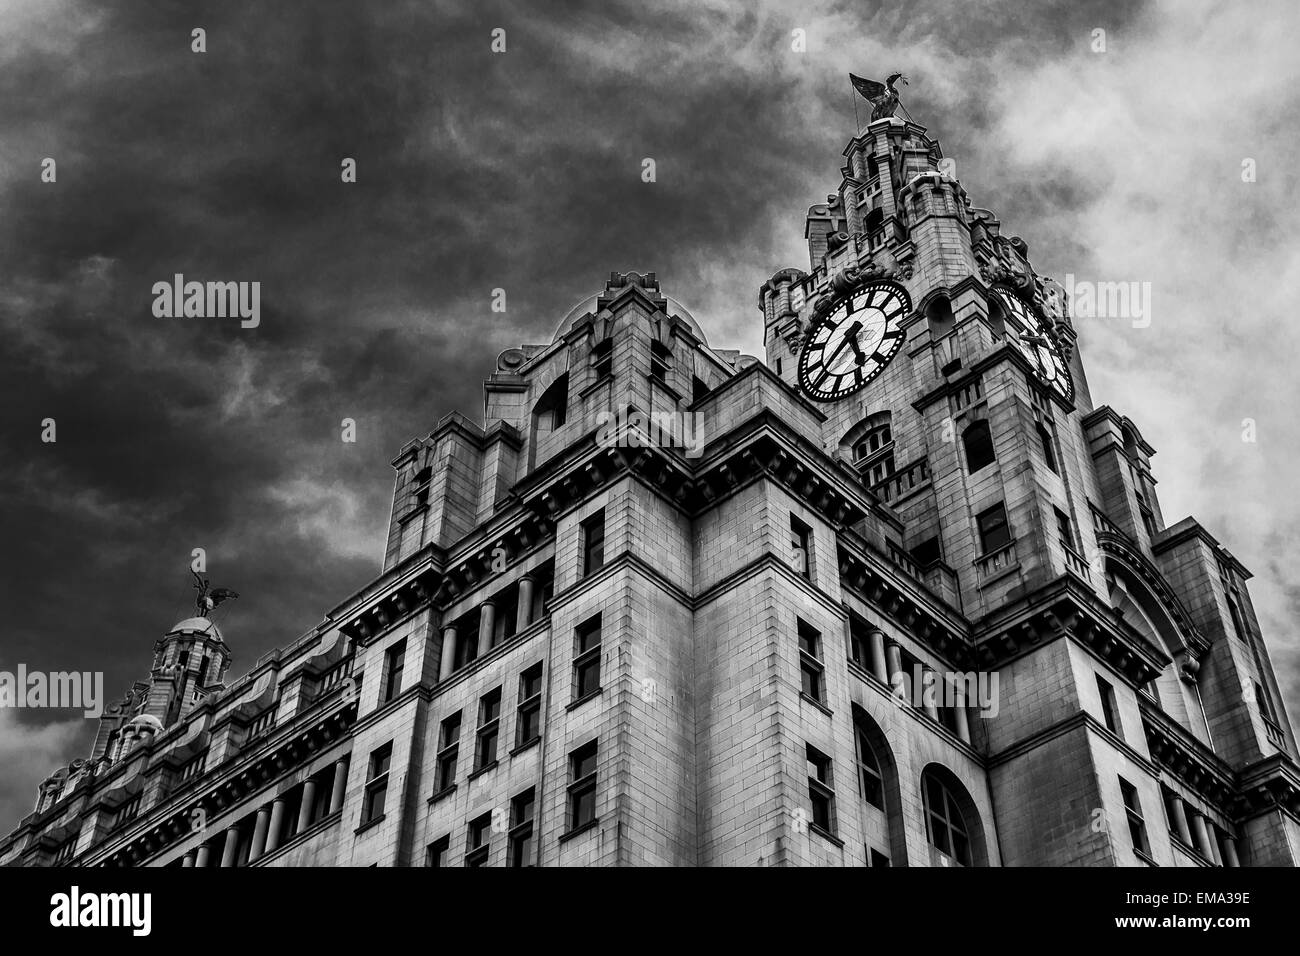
<point>930,691</point>
<point>232,845</point>
<point>1202,837</point>
<point>1180,820</point>
<point>1211,832</point>
<point>340,784</point>
<point>188,859</point>
<point>201,859</point>
<point>487,623</point>
<point>878,666</point>
<point>259,834</point>
<point>524,617</point>
<point>894,656</point>
<point>276,829</point>
<point>963,719</point>
<point>448,652</point>
<point>1230,852</point>
<point>308,798</point>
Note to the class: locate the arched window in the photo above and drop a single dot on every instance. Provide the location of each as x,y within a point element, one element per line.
<point>883,828</point>
<point>870,445</point>
<point>549,412</point>
<point>978,441</point>
<point>873,168</point>
<point>997,318</point>
<point>945,825</point>
<point>873,785</point>
<point>938,313</point>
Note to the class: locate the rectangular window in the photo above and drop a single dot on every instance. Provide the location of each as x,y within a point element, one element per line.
<point>810,665</point>
<point>586,659</point>
<point>1064,529</point>
<point>476,846</point>
<point>801,547</point>
<point>879,859</point>
<point>821,792</point>
<point>927,552</point>
<point>528,717</point>
<point>593,543</point>
<point>1265,702</point>
<point>602,357</point>
<point>582,786</point>
<point>860,642</point>
<point>1109,710</point>
<point>995,533</point>
<point>489,727</point>
<point>1234,611</point>
<point>1137,827</point>
<point>448,751</point>
<point>372,807</point>
<point>1046,444</point>
<point>394,658</point>
<point>438,851</point>
<point>521,828</point>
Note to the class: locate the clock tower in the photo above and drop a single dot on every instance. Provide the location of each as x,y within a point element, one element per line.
<point>944,370</point>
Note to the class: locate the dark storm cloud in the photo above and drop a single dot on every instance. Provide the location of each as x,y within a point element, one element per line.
<point>475,171</point>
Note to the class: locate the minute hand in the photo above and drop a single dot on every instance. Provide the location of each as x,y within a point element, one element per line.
<point>850,335</point>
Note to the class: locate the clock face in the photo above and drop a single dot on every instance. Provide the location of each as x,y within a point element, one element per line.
<point>852,344</point>
<point>1038,346</point>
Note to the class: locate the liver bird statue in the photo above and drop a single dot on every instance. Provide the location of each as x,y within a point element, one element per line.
<point>209,597</point>
<point>882,96</point>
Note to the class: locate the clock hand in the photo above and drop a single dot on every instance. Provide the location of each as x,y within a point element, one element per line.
<point>849,336</point>
<point>857,351</point>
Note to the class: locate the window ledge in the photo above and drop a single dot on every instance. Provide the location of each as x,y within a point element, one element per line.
<point>369,824</point>
<point>570,834</point>
<point>582,700</point>
<point>526,745</point>
<point>444,792</point>
<point>1144,857</point>
<point>483,769</point>
<point>817,703</point>
<point>825,835</point>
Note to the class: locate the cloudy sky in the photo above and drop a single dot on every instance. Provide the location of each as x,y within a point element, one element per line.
<point>521,171</point>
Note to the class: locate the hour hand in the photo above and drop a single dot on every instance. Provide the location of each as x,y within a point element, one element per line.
<point>857,351</point>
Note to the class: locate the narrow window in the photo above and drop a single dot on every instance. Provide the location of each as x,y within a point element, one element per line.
<point>860,642</point>
<point>593,543</point>
<point>995,533</point>
<point>801,547</point>
<point>586,659</point>
<point>480,832</point>
<point>521,828</point>
<point>376,784</point>
<point>1045,443</point>
<point>489,726</point>
<point>1109,710</point>
<point>810,665</point>
<point>821,791</point>
<point>528,717</point>
<point>1064,529</point>
<point>448,750</point>
<point>582,786</point>
<point>978,441</point>
<point>602,358</point>
<point>1137,828</point>
<point>394,658</point>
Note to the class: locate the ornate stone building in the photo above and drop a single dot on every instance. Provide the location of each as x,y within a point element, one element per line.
<point>900,595</point>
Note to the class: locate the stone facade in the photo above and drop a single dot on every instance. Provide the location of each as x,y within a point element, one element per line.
<point>732,626</point>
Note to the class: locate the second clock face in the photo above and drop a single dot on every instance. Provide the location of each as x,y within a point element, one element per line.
<point>852,344</point>
<point>1037,346</point>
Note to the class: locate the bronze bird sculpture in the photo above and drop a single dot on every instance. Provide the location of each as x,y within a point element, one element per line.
<point>882,96</point>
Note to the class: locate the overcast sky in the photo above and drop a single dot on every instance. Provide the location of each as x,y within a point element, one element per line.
<point>521,170</point>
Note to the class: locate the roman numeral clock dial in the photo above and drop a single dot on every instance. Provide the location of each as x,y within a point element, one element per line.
<point>1037,346</point>
<point>851,345</point>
